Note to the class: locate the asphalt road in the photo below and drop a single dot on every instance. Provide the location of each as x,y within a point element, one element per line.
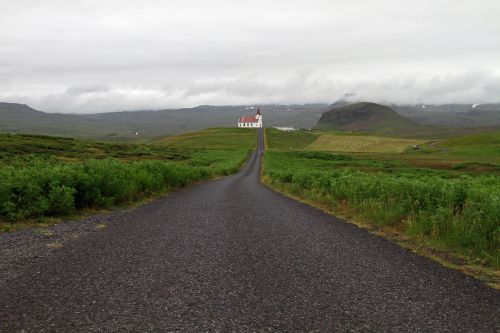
<point>230,255</point>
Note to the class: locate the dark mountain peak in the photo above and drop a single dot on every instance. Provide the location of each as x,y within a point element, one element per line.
<point>362,116</point>
<point>17,108</point>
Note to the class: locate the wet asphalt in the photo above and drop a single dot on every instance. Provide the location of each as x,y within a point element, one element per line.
<point>230,255</point>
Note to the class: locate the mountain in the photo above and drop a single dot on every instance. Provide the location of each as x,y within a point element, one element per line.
<point>453,115</point>
<point>410,120</point>
<point>20,118</point>
<point>363,116</point>
<point>147,124</point>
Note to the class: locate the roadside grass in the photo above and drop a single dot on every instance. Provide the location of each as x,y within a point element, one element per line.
<point>44,177</point>
<point>450,207</point>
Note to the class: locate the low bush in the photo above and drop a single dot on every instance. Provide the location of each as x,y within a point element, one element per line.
<point>43,188</point>
<point>459,211</point>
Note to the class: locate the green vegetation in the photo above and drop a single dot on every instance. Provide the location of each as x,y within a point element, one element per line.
<point>482,146</point>
<point>290,140</point>
<point>447,206</point>
<point>48,189</point>
<point>44,176</point>
<point>21,148</point>
<point>359,143</point>
<point>213,138</point>
<point>470,153</point>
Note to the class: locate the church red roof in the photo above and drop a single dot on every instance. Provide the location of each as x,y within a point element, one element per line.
<point>248,119</point>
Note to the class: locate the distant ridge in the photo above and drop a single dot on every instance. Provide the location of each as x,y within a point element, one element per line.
<point>453,115</point>
<point>147,124</point>
<point>409,121</point>
<point>364,116</point>
<point>7,108</point>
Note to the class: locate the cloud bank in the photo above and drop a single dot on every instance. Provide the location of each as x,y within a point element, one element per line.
<point>98,56</point>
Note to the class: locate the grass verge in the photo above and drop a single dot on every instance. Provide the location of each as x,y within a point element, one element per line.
<point>44,180</point>
<point>446,211</point>
<point>450,259</point>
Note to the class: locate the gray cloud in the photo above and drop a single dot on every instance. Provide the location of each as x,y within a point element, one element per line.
<point>95,56</point>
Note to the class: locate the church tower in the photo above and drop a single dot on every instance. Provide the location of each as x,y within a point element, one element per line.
<point>258,117</point>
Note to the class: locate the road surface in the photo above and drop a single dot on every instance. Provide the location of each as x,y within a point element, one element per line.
<point>230,255</point>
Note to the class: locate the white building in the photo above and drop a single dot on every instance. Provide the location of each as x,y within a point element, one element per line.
<point>251,121</point>
<point>286,129</point>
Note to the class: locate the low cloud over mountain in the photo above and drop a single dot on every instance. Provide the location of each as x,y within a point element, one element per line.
<point>96,56</point>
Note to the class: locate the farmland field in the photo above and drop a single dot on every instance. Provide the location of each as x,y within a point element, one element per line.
<point>357,143</point>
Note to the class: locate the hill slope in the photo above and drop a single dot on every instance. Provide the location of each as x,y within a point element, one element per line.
<point>363,116</point>
<point>147,124</point>
<point>20,118</point>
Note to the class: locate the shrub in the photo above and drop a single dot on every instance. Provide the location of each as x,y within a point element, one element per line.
<point>460,212</point>
<point>45,188</point>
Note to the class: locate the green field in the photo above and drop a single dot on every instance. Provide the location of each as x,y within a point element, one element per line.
<point>43,176</point>
<point>360,143</point>
<point>213,138</point>
<point>19,147</point>
<point>478,147</point>
<point>445,194</point>
<point>290,140</point>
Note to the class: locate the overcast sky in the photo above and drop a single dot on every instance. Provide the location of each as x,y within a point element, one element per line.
<point>105,55</point>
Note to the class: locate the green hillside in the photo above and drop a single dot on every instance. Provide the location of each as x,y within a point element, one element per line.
<point>475,148</point>
<point>212,138</point>
<point>290,140</point>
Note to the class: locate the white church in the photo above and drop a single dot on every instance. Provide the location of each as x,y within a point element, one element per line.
<point>251,121</point>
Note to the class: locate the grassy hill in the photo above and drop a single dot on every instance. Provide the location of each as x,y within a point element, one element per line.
<point>212,138</point>
<point>476,148</point>
<point>24,147</point>
<point>363,116</point>
<point>277,139</point>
